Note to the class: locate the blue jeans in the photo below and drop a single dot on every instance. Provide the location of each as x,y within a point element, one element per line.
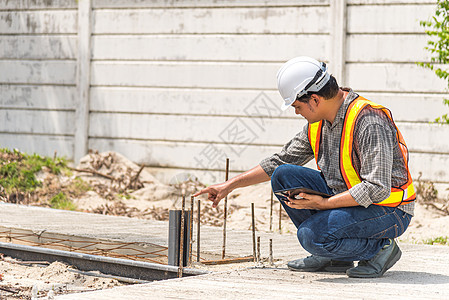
<point>348,233</point>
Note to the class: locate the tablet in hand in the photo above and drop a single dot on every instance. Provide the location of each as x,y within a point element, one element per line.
<point>292,193</point>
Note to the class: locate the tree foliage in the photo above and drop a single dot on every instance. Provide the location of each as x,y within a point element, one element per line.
<point>438,30</point>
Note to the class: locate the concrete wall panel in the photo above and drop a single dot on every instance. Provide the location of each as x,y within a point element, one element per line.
<point>393,18</point>
<point>38,47</point>
<point>387,48</point>
<point>198,3</point>
<point>37,121</point>
<point>38,97</point>
<point>40,22</point>
<point>388,77</point>
<point>38,72</point>
<point>216,47</point>
<point>33,4</point>
<point>228,75</point>
<point>40,144</point>
<point>260,20</point>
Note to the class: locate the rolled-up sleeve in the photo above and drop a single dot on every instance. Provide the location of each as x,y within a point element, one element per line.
<point>297,151</point>
<point>375,154</point>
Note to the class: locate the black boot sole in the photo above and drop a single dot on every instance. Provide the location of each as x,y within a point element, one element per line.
<point>330,269</point>
<point>394,257</point>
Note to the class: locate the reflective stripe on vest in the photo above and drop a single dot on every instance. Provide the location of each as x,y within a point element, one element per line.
<point>399,195</point>
<point>315,138</point>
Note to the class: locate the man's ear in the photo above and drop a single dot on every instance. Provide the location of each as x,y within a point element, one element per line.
<point>316,99</point>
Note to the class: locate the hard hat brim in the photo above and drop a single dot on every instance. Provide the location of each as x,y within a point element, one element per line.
<point>285,106</point>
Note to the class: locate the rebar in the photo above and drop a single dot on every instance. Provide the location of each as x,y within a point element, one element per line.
<point>271,211</point>
<point>228,260</point>
<point>280,215</point>
<point>192,199</point>
<point>129,250</point>
<point>254,231</point>
<point>225,212</point>
<point>271,252</point>
<point>181,246</point>
<point>198,232</point>
<point>258,249</point>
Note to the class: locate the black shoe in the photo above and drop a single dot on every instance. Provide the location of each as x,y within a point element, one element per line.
<point>315,263</point>
<point>379,264</point>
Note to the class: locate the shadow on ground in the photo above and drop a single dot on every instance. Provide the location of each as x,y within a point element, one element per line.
<point>395,277</point>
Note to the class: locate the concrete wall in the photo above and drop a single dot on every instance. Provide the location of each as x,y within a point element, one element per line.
<point>180,85</point>
<point>37,75</point>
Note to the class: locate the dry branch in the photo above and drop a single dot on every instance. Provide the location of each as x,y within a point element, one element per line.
<point>93,172</point>
<point>134,178</point>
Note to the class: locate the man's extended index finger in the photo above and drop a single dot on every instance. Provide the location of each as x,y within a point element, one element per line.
<point>198,193</point>
<point>203,191</point>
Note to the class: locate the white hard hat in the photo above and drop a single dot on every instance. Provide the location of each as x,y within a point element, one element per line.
<point>300,75</point>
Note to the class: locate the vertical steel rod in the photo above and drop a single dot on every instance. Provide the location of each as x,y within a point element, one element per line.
<point>280,214</point>
<point>181,244</point>
<point>225,212</point>
<point>258,249</point>
<point>174,228</point>
<point>192,199</point>
<point>254,231</point>
<point>198,232</point>
<point>271,252</point>
<point>271,211</point>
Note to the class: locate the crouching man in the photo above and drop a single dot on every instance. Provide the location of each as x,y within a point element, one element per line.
<point>362,160</point>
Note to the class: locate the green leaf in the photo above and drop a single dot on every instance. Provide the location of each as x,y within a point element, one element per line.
<point>437,28</point>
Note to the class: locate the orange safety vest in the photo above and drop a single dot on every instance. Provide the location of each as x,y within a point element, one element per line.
<point>399,195</point>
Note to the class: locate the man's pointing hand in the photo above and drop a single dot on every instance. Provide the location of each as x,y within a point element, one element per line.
<point>216,193</point>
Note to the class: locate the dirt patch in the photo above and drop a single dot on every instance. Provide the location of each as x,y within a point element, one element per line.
<point>22,280</point>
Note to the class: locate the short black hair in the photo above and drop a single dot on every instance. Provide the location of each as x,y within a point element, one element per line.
<point>328,91</point>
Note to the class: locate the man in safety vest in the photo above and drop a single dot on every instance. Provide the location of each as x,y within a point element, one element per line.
<point>363,167</point>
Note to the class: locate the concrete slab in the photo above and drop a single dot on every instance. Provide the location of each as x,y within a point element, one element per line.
<point>422,273</point>
<point>83,224</point>
<point>130,230</point>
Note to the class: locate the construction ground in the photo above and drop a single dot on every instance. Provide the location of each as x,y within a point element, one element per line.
<point>113,240</point>
<point>422,273</point>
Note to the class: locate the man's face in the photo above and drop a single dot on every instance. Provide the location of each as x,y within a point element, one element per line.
<point>306,110</point>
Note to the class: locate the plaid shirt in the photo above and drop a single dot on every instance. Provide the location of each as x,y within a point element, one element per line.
<point>377,156</point>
